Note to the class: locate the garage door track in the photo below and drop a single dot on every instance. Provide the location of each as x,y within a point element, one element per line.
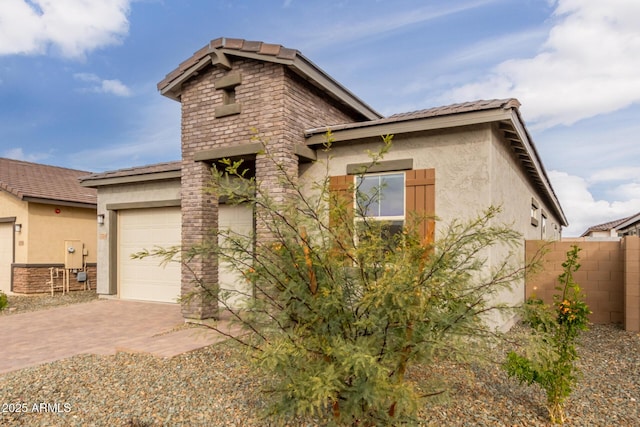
<point>99,327</point>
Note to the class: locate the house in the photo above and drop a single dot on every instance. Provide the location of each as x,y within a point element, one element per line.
<point>44,212</point>
<point>453,161</point>
<point>628,226</point>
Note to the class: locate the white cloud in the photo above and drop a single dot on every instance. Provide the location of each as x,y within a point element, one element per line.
<point>18,153</point>
<point>114,87</point>
<point>72,27</point>
<point>583,210</point>
<point>587,66</point>
<point>339,33</point>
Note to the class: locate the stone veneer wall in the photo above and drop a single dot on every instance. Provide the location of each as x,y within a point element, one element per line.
<point>33,278</point>
<point>277,105</point>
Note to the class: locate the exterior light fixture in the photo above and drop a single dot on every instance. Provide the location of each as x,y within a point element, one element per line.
<point>101,219</point>
<point>18,227</point>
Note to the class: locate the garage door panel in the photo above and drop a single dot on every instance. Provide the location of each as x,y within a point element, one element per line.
<point>238,218</point>
<point>146,279</point>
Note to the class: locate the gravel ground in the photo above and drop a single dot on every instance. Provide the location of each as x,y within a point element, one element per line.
<point>23,303</point>
<point>214,386</point>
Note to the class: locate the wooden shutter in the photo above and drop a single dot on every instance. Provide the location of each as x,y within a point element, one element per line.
<point>420,187</point>
<point>341,190</point>
<point>341,220</point>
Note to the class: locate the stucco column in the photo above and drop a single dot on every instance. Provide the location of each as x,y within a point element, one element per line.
<point>199,218</point>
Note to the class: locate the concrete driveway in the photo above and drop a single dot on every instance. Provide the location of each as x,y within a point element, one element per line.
<point>99,327</point>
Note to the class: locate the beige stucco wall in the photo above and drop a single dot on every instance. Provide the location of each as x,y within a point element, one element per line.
<point>475,168</point>
<point>41,240</point>
<point>459,156</point>
<point>134,194</point>
<point>50,225</point>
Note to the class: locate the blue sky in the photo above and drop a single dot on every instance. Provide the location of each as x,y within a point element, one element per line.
<point>78,77</point>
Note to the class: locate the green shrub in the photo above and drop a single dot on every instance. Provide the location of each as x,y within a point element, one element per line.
<point>550,357</point>
<point>3,300</point>
<point>342,308</point>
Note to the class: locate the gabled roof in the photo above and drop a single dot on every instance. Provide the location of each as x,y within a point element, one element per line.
<point>615,224</point>
<point>154,172</point>
<point>504,112</point>
<point>218,51</point>
<point>626,222</point>
<point>34,182</point>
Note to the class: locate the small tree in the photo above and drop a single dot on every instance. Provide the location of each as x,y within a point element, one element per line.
<point>551,355</point>
<point>342,307</point>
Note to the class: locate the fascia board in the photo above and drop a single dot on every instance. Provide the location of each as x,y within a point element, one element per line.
<point>408,126</point>
<point>628,222</point>
<point>532,153</point>
<point>131,179</point>
<point>44,201</point>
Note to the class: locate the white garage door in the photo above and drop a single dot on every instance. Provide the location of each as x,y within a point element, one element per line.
<point>238,218</point>
<point>6,255</point>
<point>145,279</point>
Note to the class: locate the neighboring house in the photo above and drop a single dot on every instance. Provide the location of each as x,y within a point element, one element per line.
<point>628,226</point>
<point>43,211</point>
<point>451,161</point>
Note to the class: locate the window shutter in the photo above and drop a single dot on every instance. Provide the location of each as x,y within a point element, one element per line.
<point>420,186</point>
<point>341,190</point>
<point>341,221</point>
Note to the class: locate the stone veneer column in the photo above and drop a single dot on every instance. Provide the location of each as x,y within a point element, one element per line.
<point>199,218</point>
<point>270,178</point>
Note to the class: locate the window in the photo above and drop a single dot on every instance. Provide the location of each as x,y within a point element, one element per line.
<point>381,197</point>
<point>534,212</point>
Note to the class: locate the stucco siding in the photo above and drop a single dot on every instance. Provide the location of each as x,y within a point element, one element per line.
<point>51,225</point>
<point>459,156</point>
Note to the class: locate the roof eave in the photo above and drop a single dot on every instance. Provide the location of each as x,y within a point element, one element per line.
<point>529,156</point>
<point>58,202</point>
<point>130,179</point>
<point>631,220</point>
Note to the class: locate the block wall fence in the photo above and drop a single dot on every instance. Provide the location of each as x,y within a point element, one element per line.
<point>609,276</point>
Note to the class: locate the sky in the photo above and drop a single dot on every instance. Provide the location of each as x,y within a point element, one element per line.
<point>78,77</point>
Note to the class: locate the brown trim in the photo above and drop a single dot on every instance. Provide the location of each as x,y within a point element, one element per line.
<point>60,202</point>
<point>144,205</point>
<point>8,219</point>
<point>384,166</point>
<point>53,264</point>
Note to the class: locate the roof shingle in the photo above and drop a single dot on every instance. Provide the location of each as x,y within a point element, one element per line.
<point>38,181</point>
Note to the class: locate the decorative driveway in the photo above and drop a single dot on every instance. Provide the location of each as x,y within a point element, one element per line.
<point>99,327</point>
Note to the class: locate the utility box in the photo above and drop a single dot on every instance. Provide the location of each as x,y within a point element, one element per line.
<point>73,254</point>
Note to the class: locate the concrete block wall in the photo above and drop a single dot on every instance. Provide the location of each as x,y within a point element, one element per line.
<point>632,283</point>
<point>273,102</point>
<point>601,276</point>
